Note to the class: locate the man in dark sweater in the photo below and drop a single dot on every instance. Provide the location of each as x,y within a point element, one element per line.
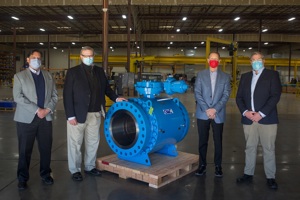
<point>36,97</point>
<point>84,100</point>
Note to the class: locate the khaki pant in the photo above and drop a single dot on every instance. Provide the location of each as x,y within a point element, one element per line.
<point>89,131</point>
<point>265,135</point>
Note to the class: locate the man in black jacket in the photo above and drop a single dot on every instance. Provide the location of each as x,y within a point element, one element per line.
<point>84,100</point>
<point>257,97</point>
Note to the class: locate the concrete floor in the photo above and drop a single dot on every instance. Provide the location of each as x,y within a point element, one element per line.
<point>110,186</point>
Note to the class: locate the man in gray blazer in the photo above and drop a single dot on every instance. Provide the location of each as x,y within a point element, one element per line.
<point>35,93</point>
<point>212,91</point>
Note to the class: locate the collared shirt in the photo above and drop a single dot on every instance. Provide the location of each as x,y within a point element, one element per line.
<point>255,77</point>
<point>213,79</point>
<point>37,72</point>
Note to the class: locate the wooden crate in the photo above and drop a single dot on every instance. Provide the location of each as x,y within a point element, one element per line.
<point>164,169</point>
<point>6,109</point>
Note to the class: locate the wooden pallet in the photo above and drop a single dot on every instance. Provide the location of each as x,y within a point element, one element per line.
<point>7,109</point>
<point>164,169</point>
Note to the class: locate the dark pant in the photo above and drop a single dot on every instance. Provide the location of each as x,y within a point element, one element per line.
<point>41,130</point>
<point>203,132</point>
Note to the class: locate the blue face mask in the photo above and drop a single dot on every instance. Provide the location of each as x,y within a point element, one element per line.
<point>88,61</point>
<point>35,63</point>
<point>257,65</point>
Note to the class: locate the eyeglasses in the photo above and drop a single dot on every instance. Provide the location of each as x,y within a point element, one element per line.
<point>87,56</point>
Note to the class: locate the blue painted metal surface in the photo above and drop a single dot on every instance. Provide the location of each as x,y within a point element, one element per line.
<point>135,128</point>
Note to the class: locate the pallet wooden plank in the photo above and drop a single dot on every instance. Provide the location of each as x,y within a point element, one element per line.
<point>164,169</point>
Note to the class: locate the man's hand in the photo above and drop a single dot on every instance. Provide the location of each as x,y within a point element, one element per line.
<point>256,117</point>
<point>41,113</point>
<point>253,116</point>
<point>119,99</point>
<point>73,122</point>
<point>211,113</point>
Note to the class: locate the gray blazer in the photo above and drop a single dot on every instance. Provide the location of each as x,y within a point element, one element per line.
<point>203,95</point>
<point>25,96</point>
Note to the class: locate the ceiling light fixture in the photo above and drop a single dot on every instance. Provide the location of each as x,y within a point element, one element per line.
<point>237,19</point>
<point>70,17</point>
<point>163,27</point>
<point>223,47</point>
<point>41,43</point>
<point>178,30</point>
<point>291,19</point>
<point>220,30</point>
<point>250,48</point>
<point>41,29</point>
<point>15,18</point>
<point>169,47</point>
<point>124,16</point>
<point>111,47</point>
<point>54,47</point>
<point>171,42</point>
<point>265,30</point>
<point>202,42</point>
<point>184,18</point>
<point>195,47</point>
<point>73,43</point>
<point>266,43</point>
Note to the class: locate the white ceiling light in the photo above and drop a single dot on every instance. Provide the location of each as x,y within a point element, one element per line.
<point>202,42</point>
<point>41,43</point>
<point>124,16</point>
<point>163,27</point>
<point>195,47</point>
<point>291,19</point>
<point>220,30</point>
<point>184,18</point>
<point>266,43</point>
<point>111,47</point>
<point>237,19</point>
<point>54,47</point>
<point>15,18</point>
<point>73,43</point>
<point>171,42</point>
<point>169,47</point>
<point>41,29</point>
<point>70,17</point>
<point>178,30</point>
<point>223,47</point>
<point>265,30</point>
<point>250,48</point>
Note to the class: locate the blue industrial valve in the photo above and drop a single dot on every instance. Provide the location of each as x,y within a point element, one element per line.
<point>135,128</point>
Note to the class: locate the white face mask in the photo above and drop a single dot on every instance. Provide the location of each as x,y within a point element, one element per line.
<point>35,63</point>
<point>88,61</point>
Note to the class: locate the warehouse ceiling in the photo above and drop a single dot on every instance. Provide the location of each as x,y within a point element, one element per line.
<point>86,25</point>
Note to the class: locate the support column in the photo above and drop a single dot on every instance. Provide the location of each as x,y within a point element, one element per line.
<point>105,36</point>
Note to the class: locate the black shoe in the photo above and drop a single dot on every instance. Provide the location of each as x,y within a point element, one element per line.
<point>218,172</point>
<point>77,176</point>
<point>201,170</point>
<point>272,183</point>
<point>22,185</point>
<point>48,180</point>
<point>244,179</point>
<point>94,172</point>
